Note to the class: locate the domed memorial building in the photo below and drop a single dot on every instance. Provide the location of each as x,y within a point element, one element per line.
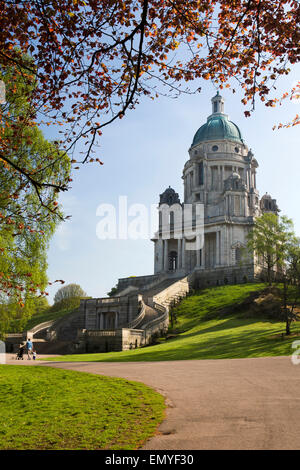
<point>221,176</point>
<point>219,191</point>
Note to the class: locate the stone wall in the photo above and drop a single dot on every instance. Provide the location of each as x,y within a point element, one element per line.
<point>125,308</point>
<point>139,281</point>
<point>122,339</point>
<point>223,275</point>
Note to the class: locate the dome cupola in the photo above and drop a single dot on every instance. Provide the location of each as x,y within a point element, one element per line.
<point>218,126</point>
<point>169,196</point>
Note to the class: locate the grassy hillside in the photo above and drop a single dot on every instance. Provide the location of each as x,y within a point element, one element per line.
<point>210,325</point>
<point>55,312</point>
<point>43,408</point>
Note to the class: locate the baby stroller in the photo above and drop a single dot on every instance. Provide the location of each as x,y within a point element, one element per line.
<point>20,353</point>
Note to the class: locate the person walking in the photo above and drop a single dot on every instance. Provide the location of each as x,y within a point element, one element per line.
<point>29,347</point>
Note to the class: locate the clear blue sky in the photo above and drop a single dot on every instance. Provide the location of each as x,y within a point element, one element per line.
<point>143,154</point>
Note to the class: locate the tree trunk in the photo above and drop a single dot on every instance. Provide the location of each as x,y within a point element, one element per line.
<point>287,326</point>
<point>269,271</point>
<point>285,307</point>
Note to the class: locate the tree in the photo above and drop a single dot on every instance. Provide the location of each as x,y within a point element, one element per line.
<point>13,317</point>
<point>291,284</point>
<point>29,213</point>
<point>113,291</point>
<point>274,242</point>
<point>69,291</point>
<point>270,240</point>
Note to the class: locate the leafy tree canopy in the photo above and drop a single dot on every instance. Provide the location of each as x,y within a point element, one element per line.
<point>271,239</point>
<point>69,291</point>
<point>94,60</point>
<point>29,213</point>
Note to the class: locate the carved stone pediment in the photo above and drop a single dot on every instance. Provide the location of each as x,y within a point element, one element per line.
<point>237,245</point>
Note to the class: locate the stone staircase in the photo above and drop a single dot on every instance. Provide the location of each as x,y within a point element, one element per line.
<point>60,336</point>
<point>168,292</point>
<point>65,329</point>
<point>150,314</point>
<point>157,301</point>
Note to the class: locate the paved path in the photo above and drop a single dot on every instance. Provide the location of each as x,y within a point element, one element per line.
<point>218,404</point>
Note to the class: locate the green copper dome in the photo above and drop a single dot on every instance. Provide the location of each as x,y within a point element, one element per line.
<point>218,127</point>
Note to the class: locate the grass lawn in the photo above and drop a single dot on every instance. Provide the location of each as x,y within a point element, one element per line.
<point>44,408</point>
<point>206,333</point>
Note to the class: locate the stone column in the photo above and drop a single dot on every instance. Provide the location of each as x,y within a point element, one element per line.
<point>203,253</point>
<point>217,248</point>
<point>197,252</point>
<point>160,245</point>
<point>198,258</point>
<point>166,259</point>
<point>156,267</point>
<point>222,177</point>
<point>179,256</point>
<point>195,173</point>
<point>221,240</point>
<point>198,265</point>
<point>209,173</point>
<point>183,254</point>
<point>205,170</point>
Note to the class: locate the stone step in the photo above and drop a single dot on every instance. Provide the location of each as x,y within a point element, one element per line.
<point>150,314</point>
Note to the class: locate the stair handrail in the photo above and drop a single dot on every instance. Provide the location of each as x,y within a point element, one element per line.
<point>161,318</point>
<point>139,318</point>
<point>40,326</point>
<point>173,287</point>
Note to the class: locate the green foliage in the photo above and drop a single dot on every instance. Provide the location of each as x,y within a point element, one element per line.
<point>291,283</point>
<point>112,292</point>
<point>14,318</point>
<point>51,313</point>
<point>28,213</point>
<point>211,325</point>
<point>42,314</point>
<point>69,291</point>
<point>276,245</point>
<point>44,409</point>
<point>270,239</point>
<point>69,303</point>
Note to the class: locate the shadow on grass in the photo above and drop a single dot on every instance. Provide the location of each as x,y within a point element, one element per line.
<point>231,342</point>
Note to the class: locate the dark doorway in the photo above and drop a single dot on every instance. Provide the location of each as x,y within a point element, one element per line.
<point>172,261</point>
